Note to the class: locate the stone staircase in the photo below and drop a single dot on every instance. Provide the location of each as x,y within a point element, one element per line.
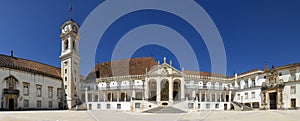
<point>238,106</point>
<point>81,106</point>
<point>161,109</point>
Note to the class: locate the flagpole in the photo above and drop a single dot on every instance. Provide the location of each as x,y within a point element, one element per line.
<point>70,10</point>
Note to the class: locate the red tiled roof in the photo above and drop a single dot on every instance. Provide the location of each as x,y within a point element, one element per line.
<point>188,72</point>
<point>29,66</point>
<point>137,66</point>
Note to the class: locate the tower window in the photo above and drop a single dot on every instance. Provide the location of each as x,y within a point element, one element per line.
<point>74,47</point>
<point>66,78</point>
<point>66,44</point>
<point>66,71</point>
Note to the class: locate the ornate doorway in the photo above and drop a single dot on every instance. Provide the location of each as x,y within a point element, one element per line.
<point>273,100</point>
<point>164,90</point>
<point>11,103</point>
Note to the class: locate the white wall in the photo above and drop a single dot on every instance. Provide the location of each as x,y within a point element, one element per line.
<point>32,79</point>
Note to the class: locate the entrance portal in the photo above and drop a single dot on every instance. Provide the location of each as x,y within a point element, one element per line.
<point>11,104</point>
<point>175,96</point>
<point>164,90</point>
<point>273,100</point>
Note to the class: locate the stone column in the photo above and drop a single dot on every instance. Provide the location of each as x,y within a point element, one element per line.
<point>225,97</point>
<point>193,94</point>
<point>118,96</point>
<point>215,97</point>
<point>205,99</point>
<point>182,90</point>
<point>220,96</point>
<point>125,98</point>
<point>229,100</point>
<point>170,90</point>
<point>111,96</point>
<point>86,95</point>
<point>158,91</point>
<point>146,87</point>
<point>104,97</point>
<point>98,97</point>
<point>200,96</point>
<point>210,97</point>
<point>133,94</point>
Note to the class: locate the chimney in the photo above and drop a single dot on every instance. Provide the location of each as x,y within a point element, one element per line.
<point>12,53</point>
<point>266,68</point>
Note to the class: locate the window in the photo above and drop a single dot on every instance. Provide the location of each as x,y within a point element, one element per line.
<point>207,106</point>
<point>107,106</point>
<point>118,106</point>
<point>26,88</point>
<point>38,90</point>
<point>246,95</point>
<point>98,106</point>
<point>217,105</point>
<point>191,105</point>
<point>50,92</point>
<point>66,71</point>
<point>293,89</point>
<point>280,73</point>
<point>11,83</point>
<point>26,103</point>
<point>66,44</point>
<point>39,104</point>
<point>66,78</point>
<point>50,104</point>
<point>253,95</point>
<point>59,92</point>
<point>238,96</point>
<point>96,98</point>
<point>66,86</point>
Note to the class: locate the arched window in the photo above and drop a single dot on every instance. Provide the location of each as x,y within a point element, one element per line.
<point>11,82</point>
<point>74,46</point>
<point>66,45</point>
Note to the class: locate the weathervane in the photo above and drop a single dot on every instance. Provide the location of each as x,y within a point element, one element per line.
<point>70,10</point>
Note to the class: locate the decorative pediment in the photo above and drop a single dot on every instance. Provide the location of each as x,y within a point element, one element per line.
<point>164,69</point>
<point>272,80</point>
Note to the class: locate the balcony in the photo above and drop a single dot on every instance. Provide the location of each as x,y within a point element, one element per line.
<point>137,86</point>
<point>11,91</point>
<point>204,87</point>
<point>122,87</point>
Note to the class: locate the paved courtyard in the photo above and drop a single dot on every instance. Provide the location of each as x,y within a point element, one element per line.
<point>289,115</point>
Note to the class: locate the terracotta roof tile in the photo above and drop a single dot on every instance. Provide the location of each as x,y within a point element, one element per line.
<point>29,66</point>
<point>136,66</point>
<point>188,72</point>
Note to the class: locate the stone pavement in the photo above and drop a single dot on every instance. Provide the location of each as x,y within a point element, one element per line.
<point>287,115</point>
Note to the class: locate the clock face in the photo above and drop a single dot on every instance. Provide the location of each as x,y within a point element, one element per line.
<point>74,28</point>
<point>66,29</point>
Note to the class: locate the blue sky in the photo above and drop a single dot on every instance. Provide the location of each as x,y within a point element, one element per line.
<point>254,32</point>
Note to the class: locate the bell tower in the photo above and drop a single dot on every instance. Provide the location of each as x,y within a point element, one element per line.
<point>70,61</point>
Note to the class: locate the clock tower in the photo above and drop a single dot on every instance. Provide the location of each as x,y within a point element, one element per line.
<point>70,61</point>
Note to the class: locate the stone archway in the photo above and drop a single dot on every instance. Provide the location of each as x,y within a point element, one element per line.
<point>164,93</point>
<point>176,90</point>
<point>152,90</point>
